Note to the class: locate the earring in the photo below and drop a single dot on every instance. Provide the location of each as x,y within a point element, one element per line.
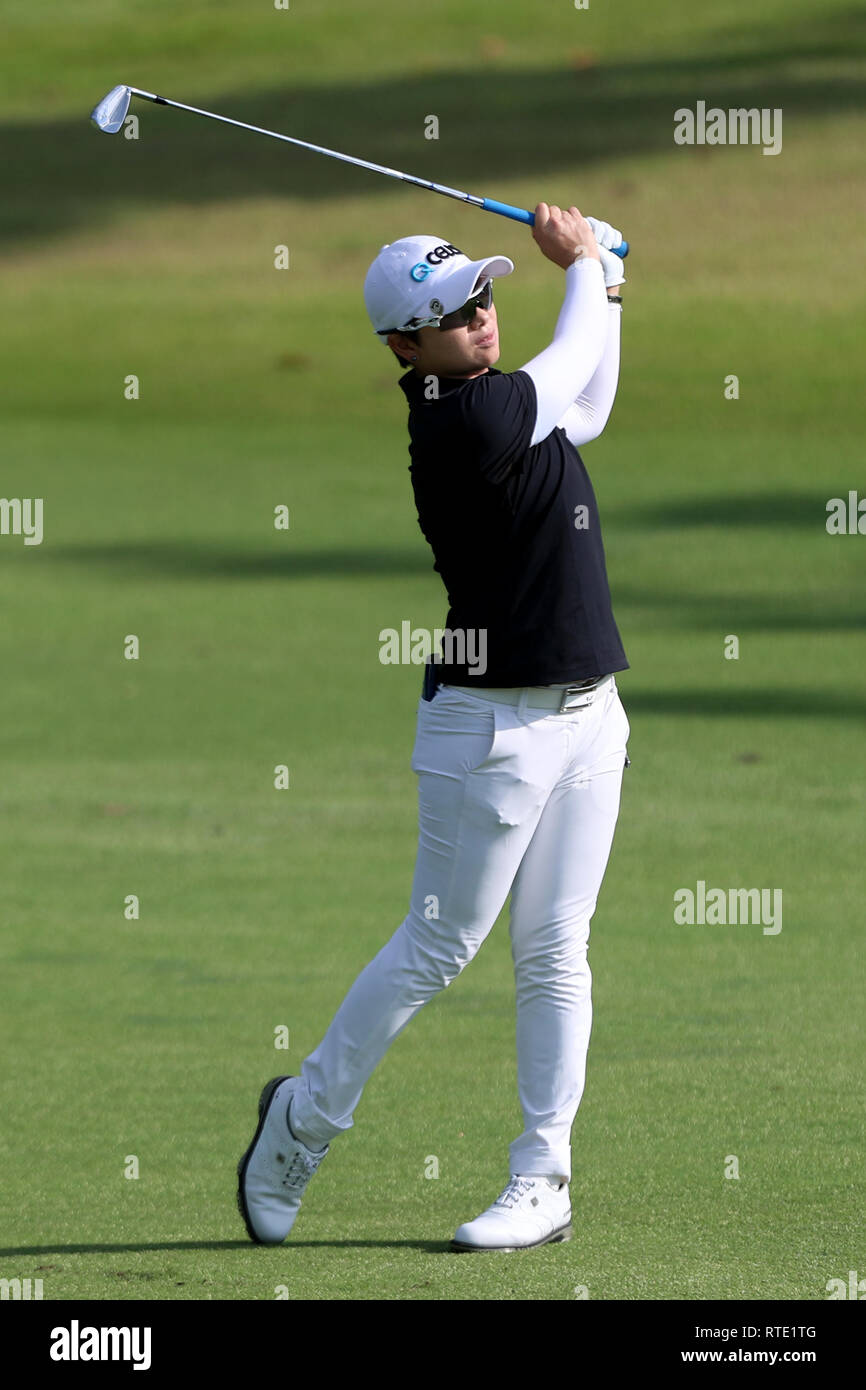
<point>414,359</point>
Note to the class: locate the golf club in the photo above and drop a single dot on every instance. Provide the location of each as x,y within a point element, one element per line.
<point>110,114</point>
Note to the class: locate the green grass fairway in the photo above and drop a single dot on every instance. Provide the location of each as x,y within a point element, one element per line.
<point>259,388</point>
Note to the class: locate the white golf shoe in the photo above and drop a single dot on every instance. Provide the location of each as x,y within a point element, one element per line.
<point>275,1169</point>
<point>531,1210</point>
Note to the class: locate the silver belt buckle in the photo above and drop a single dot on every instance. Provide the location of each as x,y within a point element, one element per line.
<point>581,688</point>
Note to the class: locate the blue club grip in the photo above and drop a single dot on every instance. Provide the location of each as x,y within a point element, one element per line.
<point>521,215</point>
<point>506,210</point>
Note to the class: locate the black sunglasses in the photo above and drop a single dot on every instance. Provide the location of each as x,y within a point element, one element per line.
<point>466,313</point>
<point>458,319</point>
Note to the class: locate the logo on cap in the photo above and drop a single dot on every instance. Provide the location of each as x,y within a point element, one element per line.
<point>442,253</point>
<point>436,306</point>
<point>432,259</point>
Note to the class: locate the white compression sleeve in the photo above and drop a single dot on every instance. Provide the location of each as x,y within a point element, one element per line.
<point>564,369</point>
<point>587,417</point>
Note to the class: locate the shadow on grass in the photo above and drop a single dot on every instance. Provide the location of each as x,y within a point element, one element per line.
<point>188,558</point>
<point>767,509</point>
<point>738,613</point>
<point>431,1247</point>
<point>774,703</point>
<point>495,125</point>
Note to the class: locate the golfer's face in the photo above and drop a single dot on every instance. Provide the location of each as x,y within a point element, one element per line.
<point>463,351</point>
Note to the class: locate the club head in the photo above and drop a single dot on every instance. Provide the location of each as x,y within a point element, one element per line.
<point>110,114</point>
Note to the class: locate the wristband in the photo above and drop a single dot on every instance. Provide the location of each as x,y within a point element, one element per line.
<point>614,299</point>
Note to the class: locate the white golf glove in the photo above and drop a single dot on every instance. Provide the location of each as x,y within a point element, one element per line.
<point>614,270</point>
<point>606,237</point>
<point>604,233</point>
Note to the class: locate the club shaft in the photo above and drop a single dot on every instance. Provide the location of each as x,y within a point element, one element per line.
<point>317,149</point>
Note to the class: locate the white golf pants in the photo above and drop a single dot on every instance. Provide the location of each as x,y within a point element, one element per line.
<point>510,798</point>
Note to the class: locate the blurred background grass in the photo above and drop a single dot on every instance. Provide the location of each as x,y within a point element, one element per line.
<point>258,647</point>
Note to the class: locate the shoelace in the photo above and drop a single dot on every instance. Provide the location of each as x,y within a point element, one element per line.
<point>301,1169</point>
<point>517,1188</point>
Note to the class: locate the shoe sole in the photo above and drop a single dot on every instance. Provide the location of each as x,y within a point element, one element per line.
<point>564,1233</point>
<point>265,1099</point>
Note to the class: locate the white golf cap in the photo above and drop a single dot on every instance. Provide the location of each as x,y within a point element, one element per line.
<point>414,282</point>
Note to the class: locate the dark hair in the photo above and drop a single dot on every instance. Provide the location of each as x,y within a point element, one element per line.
<point>413,334</point>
